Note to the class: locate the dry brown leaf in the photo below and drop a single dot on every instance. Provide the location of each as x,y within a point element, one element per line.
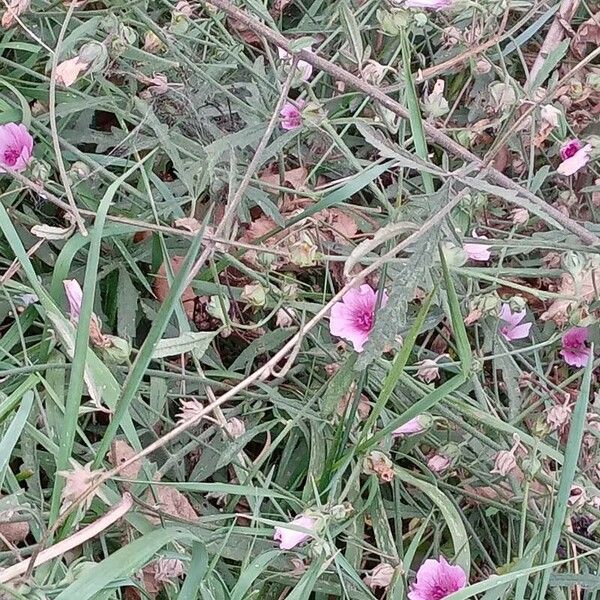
<point>171,502</point>
<point>13,532</point>
<point>295,178</point>
<point>189,223</point>
<point>161,286</point>
<point>120,452</point>
<point>583,289</point>
<point>587,34</point>
<point>243,31</point>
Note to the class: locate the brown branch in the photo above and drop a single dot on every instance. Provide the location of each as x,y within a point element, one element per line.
<point>78,538</point>
<point>436,136</point>
<point>554,37</point>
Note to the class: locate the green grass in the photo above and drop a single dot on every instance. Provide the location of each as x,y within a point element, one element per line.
<point>355,195</point>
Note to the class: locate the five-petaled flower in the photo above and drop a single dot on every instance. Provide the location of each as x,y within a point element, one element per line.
<point>575,155</point>
<point>511,327</point>
<point>437,579</point>
<point>16,146</point>
<point>574,350</point>
<point>353,317</point>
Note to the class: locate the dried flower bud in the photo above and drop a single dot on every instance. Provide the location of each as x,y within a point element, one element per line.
<point>235,427</point>
<point>254,294</point>
<point>380,577</point>
<point>14,9</point>
<point>153,44</point>
<point>428,370</point>
<point>340,512</point>
<point>285,317</point>
<point>482,66</point>
<point>166,569</point>
<point>189,410</point>
<point>444,458</point>
<point>504,462</point>
<point>304,253</point>
<point>558,416</point>
<point>377,463</point>
<point>519,216</point>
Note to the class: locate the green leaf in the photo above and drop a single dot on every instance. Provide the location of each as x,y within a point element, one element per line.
<point>457,530</point>
<point>122,563</point>
<point>352,30</point>
<point>195,342</point>
<point>391,319</point>
<point>13,433</point>
<point>338,386</point>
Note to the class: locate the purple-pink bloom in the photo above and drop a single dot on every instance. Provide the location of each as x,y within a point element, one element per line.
<point>16,146</point>
<point>510,327</point>
<point>427,4</point>
<point>291,115</point>
<point>479,252</point>
<point>575,155</point>
<point>437,579</point>
<point>74,296</point>
<point>413,427</point>
<point>353,317</point>
<point>574,350</point>
<point>290,538</point>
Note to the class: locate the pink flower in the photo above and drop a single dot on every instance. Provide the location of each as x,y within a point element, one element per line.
<point>438,463</point>
<point>413,427</point>
<point>510,328</point>
<point>305,69</point>
<point>291,117</point>
<point>428,4</point>
<point>16,146</point>
<point>353,317</point>
<point>437,579</point>
<point>74,296</point>
<point>290,538</point>
<point>574,156</point>
<point>479,252</point>
<point>574,350</point>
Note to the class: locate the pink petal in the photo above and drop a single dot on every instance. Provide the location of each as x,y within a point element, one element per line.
<point>289,538</point>
<point>519,332</point>
<point>479,252</point>
<point>577,161</point>
<point>412,427</point>
<point>577,357</point>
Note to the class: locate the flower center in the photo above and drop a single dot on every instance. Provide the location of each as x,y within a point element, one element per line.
<point>10,156</point>
<point>571,150</point>
<point>364,321</point>
<point>505,329</point>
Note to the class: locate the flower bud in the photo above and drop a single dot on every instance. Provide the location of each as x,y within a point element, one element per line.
<point>504,462</point>
<point>153,44</point>
<point>377,463</point>
<point>40,170</point>
<point>255,295</point>
<point>304,253</point>
<point>119,350</point>
<point>235,427</point>
<point>94,55</point>
<point>341,512</point>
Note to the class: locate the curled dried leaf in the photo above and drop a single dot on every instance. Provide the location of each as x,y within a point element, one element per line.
<point>161,286</point>
<point>121,452</point>
<point>171,502</point>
